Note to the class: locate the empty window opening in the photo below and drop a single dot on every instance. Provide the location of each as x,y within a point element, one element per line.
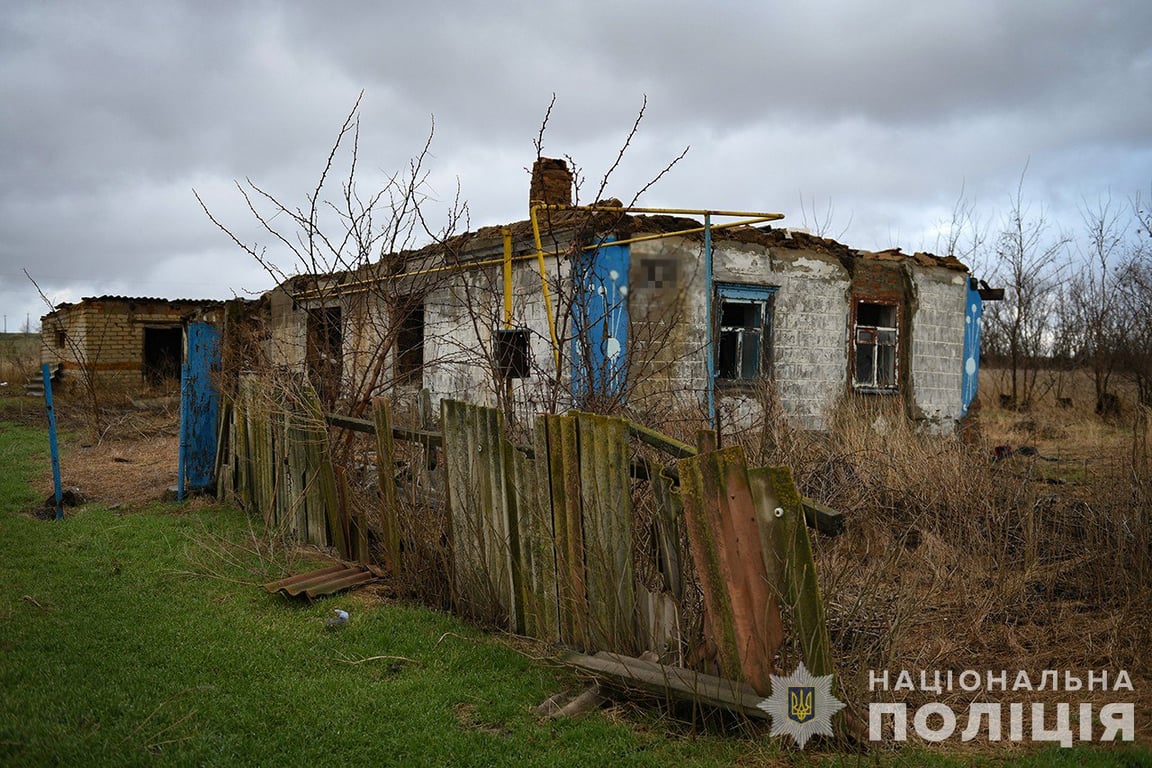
<point>410,347</point>
<point>875,337</point>
<point>163,351</point>
<point>743,345</point>
<point>324,355</point>
<point>512,354</point>
<point>61,338</point>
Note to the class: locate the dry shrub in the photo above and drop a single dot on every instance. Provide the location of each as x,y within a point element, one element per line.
<point>952,561</point>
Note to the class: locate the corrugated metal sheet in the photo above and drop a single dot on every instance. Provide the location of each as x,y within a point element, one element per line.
<point>743,611</point>
<point>606,510</point>
<point>326,581</point>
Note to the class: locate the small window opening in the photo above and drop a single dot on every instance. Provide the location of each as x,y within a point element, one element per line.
<point>325,350</point>
<point>410,347</point>
<point>743,345</point>
<point>875,340</point>
<point>512,354</point>
<point>61,338</point>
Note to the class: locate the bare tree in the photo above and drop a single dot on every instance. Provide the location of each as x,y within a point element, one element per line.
<point>1029,265</point>
<point>349,252</point>
<point>1135,299</point>
<point>965,235</point>
<point>1093,298</point>
<point>822,223</point>
<point>86,356</point>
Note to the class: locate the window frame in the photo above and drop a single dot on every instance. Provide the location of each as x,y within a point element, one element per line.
<point>764,298</point>
<point>408,353</point>
<point>872,386</point>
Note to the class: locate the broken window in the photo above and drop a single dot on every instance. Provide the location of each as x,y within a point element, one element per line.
<point>744,339</point>
<point>61,338</point>
<point>512,358</point>
<point>325,350</point>
<point>410,347</point>
<point>875,336</point>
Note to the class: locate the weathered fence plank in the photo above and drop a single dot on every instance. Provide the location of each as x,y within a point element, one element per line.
<point>386,485</point>
<point>482,517</point>
<point>725,544</point>
<point>788,560</point>
<point>672,682</point>
<point>536,536</point>
<point>326,501</point>
<point>606,496</point>
<point>564,484</point>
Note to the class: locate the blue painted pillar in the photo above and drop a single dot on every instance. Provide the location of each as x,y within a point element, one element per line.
<point>600,344</point>
<point>970,378</point>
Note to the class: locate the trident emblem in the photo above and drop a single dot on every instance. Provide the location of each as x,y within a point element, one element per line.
<point>800,706</point>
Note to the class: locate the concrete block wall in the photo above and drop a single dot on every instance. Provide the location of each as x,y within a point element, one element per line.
<point>809,326</point>
<point>938,344</point>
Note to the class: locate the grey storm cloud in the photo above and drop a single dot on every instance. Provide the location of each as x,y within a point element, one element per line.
<point>880,111</point>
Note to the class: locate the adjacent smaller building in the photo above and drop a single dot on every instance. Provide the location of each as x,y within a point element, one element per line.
<point>124,342</point>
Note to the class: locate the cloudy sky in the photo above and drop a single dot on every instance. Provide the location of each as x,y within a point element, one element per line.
<point>111,113</point>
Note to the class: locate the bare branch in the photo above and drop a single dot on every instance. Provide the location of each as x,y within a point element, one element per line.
<point>659,176</point>
<point>538,143</point>
<point>623,149</point>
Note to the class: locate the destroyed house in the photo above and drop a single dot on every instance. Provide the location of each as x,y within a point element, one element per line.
<point>660,313</point>
<point>125,343</point>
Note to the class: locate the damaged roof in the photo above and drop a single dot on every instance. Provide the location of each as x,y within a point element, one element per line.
<point>584,226</point>
<point>137,300</point>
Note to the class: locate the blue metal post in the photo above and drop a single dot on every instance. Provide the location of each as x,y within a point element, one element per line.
<point>185,420</point>
<point>55,448</point>
<point>709,351</point>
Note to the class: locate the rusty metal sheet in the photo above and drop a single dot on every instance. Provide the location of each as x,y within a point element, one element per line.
<point>325,581</point>
<point>724,540</point>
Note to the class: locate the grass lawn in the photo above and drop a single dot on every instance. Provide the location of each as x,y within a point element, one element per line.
<point>143,638</point>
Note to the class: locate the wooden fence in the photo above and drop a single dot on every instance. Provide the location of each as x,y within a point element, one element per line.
<point>544,537</point>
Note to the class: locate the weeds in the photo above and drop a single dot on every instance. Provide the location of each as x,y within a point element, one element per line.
<point>953,561</point>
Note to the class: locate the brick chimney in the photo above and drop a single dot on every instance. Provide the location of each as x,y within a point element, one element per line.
<point>551,182</point>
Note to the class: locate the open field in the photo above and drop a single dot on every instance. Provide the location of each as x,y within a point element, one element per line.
<point>19,358</point>
<point>139,634</point>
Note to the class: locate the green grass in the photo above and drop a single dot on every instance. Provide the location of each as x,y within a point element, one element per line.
<point>113,652</point>
<point>143,638</point>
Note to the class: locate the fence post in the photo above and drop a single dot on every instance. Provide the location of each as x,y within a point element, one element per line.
<point>55,448</point>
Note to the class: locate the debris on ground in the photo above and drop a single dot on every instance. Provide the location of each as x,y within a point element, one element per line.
<point>325,581</point>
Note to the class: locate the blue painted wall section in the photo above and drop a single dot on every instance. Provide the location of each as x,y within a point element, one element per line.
<point>199,406</point>
<point>969,382</point>
<point>600,316</point>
